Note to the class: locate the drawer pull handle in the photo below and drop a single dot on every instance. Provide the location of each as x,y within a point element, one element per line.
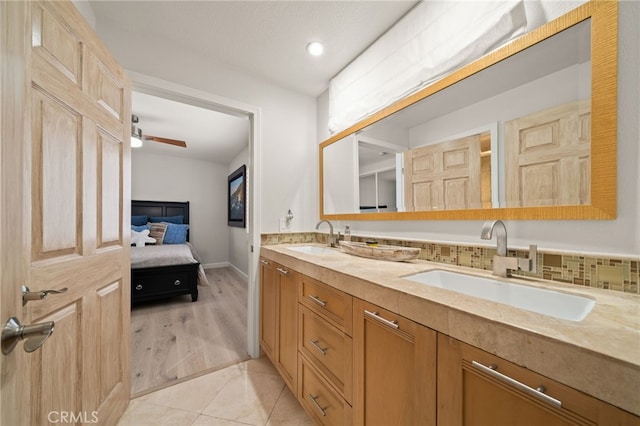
<point>377,317</point>
<point>537,393</point>
<point>264,262</point>
<point>282,271</point>
<point>317,346</point>
<point>318,406</point>
<point>318,301</point>
<point>177,282</point>
<point>139,287</point>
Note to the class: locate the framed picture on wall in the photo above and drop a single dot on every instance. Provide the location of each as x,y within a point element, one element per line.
<point>237,192</point>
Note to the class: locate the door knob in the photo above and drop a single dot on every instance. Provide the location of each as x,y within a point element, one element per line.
<point>34,335</point>
<point>38,295</point>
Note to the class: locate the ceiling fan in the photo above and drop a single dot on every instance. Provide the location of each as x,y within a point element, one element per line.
<point>137,137</point>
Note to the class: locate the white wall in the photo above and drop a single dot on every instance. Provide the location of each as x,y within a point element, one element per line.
<point>287,167</point>
<point>202,183</point>
<point>238,237</point>
<point>620,236</point>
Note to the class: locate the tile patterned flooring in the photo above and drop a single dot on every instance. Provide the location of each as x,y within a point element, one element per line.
<point>249,393</point>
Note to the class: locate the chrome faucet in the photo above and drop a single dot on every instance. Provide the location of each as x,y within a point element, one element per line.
<point>331,241</point>
<point>502,264</point>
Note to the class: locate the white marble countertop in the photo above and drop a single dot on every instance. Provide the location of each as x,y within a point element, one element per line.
<point>599,355</point>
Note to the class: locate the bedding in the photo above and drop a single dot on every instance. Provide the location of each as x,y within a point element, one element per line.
<point>162,255</point>
<point>171,267</point>
<point>175,234</point>
<point>167,255</point>
<point>140,238</point>
<point>157,231</point>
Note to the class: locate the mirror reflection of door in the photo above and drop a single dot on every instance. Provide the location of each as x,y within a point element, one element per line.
<point>548,157</point>
<point>444,176</point>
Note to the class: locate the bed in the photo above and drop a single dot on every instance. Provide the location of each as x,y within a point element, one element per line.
<point>166,270</point>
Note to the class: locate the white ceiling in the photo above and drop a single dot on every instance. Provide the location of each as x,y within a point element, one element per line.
<point>210,135</point>
<point>266,39</point>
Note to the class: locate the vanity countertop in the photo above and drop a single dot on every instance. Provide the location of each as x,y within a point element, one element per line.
<point>599,355</point>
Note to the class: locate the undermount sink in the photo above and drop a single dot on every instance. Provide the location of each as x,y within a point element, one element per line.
<point>312,249</point>
<point>547,302</point>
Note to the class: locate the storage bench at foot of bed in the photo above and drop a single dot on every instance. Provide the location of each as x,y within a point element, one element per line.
<point>164,281</point>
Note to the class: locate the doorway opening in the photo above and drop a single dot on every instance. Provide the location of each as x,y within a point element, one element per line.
<point>240,241</point>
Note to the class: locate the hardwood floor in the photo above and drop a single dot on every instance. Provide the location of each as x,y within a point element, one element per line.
<point>174,340</point>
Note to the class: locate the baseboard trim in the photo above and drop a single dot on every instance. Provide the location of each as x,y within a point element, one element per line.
<point>224,265</point>
<point>216,265</point>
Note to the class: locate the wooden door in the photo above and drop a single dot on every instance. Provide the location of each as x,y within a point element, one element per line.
<point>287,353</point>
<point>548,157</point>
<point>394,368</point>
<point>268,308</point>
<point>444,176</point>
<point>65,118</point>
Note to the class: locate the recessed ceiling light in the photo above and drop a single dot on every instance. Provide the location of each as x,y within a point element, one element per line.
<point>315,48</point>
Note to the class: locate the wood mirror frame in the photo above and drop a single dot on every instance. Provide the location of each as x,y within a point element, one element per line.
<point>604,83</point>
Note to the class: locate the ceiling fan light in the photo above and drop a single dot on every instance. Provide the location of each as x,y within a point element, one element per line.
<point>136,137</point>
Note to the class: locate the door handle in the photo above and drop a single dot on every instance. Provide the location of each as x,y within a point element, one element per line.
<point>38,295</point>
<point>35,335</point>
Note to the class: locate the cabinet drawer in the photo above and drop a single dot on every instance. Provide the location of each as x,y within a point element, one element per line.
<point>321,402</point>
<point>143,285</point>
<point>333,304</point>
<point>328,348</point>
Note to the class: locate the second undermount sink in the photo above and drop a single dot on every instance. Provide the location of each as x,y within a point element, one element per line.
<point>312,249</point>
<point>547,302</point>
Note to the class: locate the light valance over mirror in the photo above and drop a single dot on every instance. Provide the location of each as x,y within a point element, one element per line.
<point>525,132</point>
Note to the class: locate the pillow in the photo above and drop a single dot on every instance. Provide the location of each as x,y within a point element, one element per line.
<point>140,238</point>
<point>176,234</point>
<point>139,220</point>
<point>139,228</point>
<point>168,219</point>
<point>157,231</point>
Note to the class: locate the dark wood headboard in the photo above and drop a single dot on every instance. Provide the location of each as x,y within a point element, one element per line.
<point>160,208</point>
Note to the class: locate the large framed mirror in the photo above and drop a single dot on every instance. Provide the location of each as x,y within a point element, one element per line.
<point>528,131</point>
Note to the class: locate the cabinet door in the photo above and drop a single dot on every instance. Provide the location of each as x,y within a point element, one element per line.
<point>477,388</point>
<point>395,368</point>
<point>287,320</point>
<point>268,307</point>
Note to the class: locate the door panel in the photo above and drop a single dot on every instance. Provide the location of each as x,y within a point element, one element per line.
<point>443,176</point>
<point>68,118</point>
<point>56,362</point>
<point>110,176</point>
<point>548,157</point>
<point>55,138</point>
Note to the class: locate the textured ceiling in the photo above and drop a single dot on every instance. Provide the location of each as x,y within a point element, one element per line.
<point>262,38</point>
<point>266,39</point>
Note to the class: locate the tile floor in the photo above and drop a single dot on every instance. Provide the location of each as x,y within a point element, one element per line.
<point>249,393</point>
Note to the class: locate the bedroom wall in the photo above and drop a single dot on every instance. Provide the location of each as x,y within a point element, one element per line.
<point>202,183</point>
<point>620,236</point>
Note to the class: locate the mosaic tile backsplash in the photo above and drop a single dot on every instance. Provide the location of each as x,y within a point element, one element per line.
<point>619,274</point>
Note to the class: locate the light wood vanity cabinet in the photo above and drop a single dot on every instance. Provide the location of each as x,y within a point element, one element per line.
<point>394,368</point>
<point>351,362</point>
<point>477,388</point>
<point>279,323</point>
<point>268,307</point>
<point>325,352</point>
